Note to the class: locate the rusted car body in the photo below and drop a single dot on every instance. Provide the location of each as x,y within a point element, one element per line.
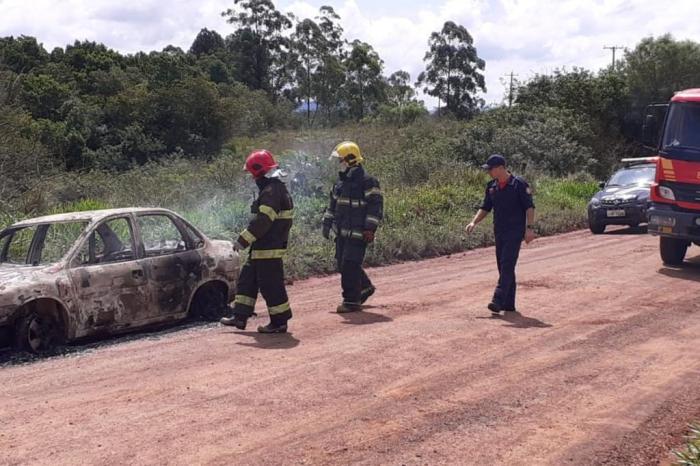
<point>69,276</point>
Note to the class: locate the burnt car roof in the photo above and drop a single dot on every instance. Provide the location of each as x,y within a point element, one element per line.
<point>89,215</point>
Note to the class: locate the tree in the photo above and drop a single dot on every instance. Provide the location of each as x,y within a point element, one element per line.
<point>331,71</point>
<point>400,90</point>
<point>21,55</point>
<point>207,43</point>
<point>401,107</point>
<point>454,72</point>
<point>657,68</point>
<point>43,96</point>
<point>602,100</point>
<point>364,85</point>
<point>187,116</point>
<point>309,46</point>
<point>259,46</point>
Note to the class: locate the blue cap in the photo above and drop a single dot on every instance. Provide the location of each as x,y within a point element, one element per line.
<point>495,160</point>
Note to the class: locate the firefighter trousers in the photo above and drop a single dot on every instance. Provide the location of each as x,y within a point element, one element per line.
<point>267,277</point>
<point>349,254</point>
<point>507,252</point>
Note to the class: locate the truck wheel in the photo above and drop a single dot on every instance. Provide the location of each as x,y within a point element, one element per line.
<point>596,228</point>
<point>673,250</point>
<point>37,333</point>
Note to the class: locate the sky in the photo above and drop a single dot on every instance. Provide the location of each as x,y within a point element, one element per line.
<point>525,37</point>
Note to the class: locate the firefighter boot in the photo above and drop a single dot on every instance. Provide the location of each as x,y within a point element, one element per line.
<point>269,328</point>
<point>235,321</point>
<point>278,324</point>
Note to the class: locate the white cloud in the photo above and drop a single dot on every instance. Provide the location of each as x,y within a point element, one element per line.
<point>524,36</point>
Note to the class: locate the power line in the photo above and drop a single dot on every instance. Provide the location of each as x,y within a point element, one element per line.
<point>614,49</point>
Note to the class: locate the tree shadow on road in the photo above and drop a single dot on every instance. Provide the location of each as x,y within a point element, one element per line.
<point>364,317</point>
<point>275,341</point>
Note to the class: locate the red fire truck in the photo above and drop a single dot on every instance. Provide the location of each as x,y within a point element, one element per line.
<point>675,195</point>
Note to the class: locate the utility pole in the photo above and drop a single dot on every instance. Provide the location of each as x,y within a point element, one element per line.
<point>510,92</point>
<point>614,48</point>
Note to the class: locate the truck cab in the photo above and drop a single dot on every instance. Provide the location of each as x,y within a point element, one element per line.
<point>675,194</point>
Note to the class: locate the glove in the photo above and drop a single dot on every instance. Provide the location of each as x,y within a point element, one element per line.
<point>326,232</point>
<point>368,236</point>
<point>237,246</point>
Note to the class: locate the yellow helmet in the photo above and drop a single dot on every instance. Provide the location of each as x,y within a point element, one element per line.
<point>348,152</point>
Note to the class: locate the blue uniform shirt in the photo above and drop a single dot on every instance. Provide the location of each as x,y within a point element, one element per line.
<point>509,205</point>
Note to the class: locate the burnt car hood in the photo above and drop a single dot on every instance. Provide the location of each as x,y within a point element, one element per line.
<point>622,192</point>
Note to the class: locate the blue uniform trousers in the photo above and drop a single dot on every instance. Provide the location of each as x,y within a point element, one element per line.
<point>507,252</point>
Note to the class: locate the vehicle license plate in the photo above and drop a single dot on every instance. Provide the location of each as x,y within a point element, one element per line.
<point>616,213</point>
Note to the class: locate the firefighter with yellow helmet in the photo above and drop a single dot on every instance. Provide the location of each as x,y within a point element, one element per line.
<point>356,207</point>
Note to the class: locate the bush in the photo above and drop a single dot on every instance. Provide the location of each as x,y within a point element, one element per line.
<point>429,193</point>
<point>691,455</point>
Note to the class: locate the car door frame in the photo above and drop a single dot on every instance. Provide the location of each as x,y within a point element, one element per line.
<point>194,274</point>
<point>113,315</point>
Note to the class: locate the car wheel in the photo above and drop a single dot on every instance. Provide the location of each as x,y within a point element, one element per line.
<point>37,333</point>
<point>596,228</point>
<point>673,250</point>
<point>209,304</point>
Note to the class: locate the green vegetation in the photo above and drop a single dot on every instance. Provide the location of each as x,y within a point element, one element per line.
<point>85,127</point>
<point>430,195</point>
<point>691,454</point>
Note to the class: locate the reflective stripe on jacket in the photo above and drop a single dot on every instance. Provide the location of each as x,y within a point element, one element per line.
<point>356,204</point>
<point>268,232</point>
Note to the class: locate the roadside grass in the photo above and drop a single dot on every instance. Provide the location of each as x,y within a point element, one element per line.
<point>690,456</point>
<point>429,196</point>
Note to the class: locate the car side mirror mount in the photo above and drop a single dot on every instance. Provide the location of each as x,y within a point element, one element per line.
<point>601,185</point>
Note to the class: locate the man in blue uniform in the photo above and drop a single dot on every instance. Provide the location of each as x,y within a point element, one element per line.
<point>510,198</point>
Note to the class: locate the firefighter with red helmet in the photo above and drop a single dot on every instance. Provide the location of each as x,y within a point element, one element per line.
<point>354,212</point>
<point>267,235</point>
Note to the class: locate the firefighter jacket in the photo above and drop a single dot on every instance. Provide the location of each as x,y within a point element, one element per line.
<point>356,204</point>
<point>267,233</point>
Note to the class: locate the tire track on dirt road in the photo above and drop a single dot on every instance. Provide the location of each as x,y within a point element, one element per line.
<point>598,360</point>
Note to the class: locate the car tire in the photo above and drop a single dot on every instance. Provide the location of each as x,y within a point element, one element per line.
<point>209,304</point>
<point>596,228</point>
<point>672,250</point>
<point>38,333</point>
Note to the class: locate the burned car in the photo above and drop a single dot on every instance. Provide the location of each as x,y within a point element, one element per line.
<point>624,199</point>
<point>69,276</point>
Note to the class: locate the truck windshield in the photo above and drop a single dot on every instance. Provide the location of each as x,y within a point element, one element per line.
<point>682,135</point>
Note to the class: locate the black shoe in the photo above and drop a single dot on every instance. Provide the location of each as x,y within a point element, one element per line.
<point>346,308</point>
<point>367,293</point>
<point>235,321</point>
<point>269,328</point>
<point>495,309</point>
<point>510,309</point>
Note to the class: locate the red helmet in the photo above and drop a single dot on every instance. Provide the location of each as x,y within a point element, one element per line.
<point>259,163</point>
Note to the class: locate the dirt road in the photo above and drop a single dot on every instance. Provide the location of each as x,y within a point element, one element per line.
<point>604,356</point>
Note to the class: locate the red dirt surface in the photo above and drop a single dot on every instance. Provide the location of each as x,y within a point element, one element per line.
<point>603,357</point>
